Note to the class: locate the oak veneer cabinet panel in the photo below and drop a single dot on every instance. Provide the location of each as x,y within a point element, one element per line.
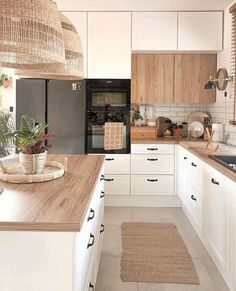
<point>152,78</point>
<point>191,74</point>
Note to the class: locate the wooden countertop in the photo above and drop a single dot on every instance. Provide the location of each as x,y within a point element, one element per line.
<point>161,140</point>
<point>198,149</point>
<point>58,205</point>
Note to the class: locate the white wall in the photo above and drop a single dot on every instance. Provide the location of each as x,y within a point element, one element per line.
<point>8,96</point>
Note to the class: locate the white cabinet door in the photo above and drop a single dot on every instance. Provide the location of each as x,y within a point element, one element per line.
<point>200,31</point>
<point>152,164</point>
<point>183,158</point>
<point>117,184</point>
<point>195,175</point>
<point>109,45</point>
<point>217,213</point>
<point>79,19</point>
<point>154,31</point>
<point>152,185</point>
<point>117,164</point>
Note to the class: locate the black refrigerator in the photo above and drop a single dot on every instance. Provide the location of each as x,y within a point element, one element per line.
<point>59,103</point>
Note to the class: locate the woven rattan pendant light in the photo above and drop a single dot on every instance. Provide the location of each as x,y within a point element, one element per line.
<point>30,33</point>
<point>73,67</point>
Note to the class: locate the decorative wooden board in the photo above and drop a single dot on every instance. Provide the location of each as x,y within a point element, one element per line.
<point>53,170</point>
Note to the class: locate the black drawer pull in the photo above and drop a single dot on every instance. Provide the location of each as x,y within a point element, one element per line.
<point>109,159</point>
<point>102,178</point>
<point>91,286</point>
<point>193,198</point>
<point>152,160</point>
<point>102,228</point>
<point>91,214</point>
<point>152,180</point>
<point>109,180</point>
<point>91,238</point>
<point>213,181</point>
<point>194,165</point>
<point>102,194</point>
<point>185,158</point>
<point>152,149</point>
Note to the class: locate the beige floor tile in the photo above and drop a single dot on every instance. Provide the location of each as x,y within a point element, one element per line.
<point>112,240</point>
<point>117,215</point>
<point>145,214</point>
<point>150,287</point>
<point>109,276</point>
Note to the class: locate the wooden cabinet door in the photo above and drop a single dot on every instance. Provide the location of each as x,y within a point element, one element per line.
<point>152,78</point>
<point>109,45</point>
<point>154,31</point>
<point>191,74</point>
<point>200,31</point>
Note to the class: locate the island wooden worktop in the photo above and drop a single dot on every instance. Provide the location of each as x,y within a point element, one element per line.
<point>58,205</point>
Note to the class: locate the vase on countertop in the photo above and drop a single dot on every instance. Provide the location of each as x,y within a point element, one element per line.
<point>33,163</point>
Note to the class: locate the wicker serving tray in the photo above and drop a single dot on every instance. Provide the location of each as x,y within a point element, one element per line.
<point>53,170</point>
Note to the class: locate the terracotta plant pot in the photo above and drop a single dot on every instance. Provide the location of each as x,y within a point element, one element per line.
<point>33,163</point>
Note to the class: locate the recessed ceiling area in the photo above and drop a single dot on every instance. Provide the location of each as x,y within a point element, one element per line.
<point>142,5</point>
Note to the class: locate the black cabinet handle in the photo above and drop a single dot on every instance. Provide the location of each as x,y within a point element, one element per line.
<point>91,238</point>
<point>185,158</point>
<point>152,160</point>
<point>91,214</point>
<point>109,159</point>
<point>108,180</point>
<point>102,194</point>
<point>152,149</point>
<point>213,181</point>
<point>91,286</point>
<point>102,178</point>
<point>152,180</point>
<point>194,165</point>
<point>102,228</point>
<point>193,198</point>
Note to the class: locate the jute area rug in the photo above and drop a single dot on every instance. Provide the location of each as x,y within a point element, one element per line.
<point>155,253</point>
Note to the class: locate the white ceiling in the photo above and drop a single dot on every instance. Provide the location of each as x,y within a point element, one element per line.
<point>141,5</point>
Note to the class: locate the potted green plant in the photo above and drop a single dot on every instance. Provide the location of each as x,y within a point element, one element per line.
<point>30,140</point>
<point>6,127</point>
<point>137,118</point>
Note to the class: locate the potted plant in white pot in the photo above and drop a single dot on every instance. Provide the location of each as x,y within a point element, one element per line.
<point>30,140</point>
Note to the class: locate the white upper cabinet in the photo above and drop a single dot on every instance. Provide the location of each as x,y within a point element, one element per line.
<point>109,45</point>
<point>79,20</point>
<point>200,31</point>
<point>154,31</point>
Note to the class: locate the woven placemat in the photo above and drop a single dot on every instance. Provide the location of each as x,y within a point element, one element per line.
<point>155,253</point>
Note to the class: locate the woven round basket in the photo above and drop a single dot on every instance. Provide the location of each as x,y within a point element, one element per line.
<point>73,68</point>
<point>30,33</point>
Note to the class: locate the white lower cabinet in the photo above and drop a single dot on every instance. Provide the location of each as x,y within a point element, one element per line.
<point>209,200</point>
<point>217,213</point>
<point>117,184</point>
<point>117,175</point>
<point>152,184</point>
<point>55,261</point>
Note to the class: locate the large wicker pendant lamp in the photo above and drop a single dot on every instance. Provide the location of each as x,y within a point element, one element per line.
<point>30,33</point>
<point>73,67</point>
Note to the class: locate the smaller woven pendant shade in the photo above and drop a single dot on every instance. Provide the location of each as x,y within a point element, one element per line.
<point>72,68</point>
<point>30,33</point>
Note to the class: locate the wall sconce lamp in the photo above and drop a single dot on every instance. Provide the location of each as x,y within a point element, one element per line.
<point>220,82</point>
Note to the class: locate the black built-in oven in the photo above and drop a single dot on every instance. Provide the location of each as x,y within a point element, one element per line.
<point>108,100</point>
<point>108,94</point>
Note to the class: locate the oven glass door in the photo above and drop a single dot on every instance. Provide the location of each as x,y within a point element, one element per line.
<point>101,100</point>
<point>95,132</point>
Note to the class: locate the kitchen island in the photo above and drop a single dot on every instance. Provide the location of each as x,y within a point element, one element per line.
<point>50,233</point>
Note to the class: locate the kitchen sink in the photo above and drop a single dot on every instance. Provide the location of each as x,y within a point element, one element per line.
<point>227,161</point>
